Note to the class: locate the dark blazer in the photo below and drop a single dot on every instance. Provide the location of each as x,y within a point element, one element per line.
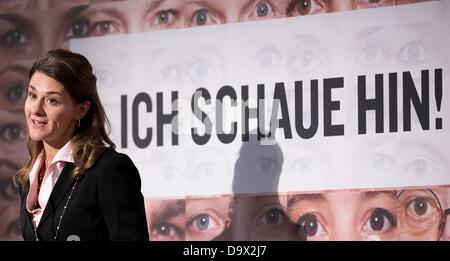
<point>106,204</point>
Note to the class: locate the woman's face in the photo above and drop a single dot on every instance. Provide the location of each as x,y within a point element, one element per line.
<point>50,111</point>
<point>345,215</point>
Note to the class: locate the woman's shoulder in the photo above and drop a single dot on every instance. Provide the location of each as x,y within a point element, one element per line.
<point>112,164</point>
<point>111,157</point>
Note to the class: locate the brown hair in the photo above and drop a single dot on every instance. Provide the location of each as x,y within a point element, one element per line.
<point>74,72</point>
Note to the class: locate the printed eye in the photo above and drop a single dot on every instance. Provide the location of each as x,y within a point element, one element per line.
<point>267,166</point>
<point>376,165</point>
<point>421,209</point>
<point>306,60</point>
<point>205,170</point>
<point>12,132</point>
<point>379,161</point>
<point>105,27</point>
<point>77,29</point>
<point>373,53</point>
<point>166,231</point>
<point>15,38</point>
<point>423,168</point>
<point>272,217</point>
<point>305,7</point>
<point>106,75</point>
<point>203,222</point>
<point>204,69</point>
<point>203,17</point>
<point>420,214</point>
<point>379,221</point>
<point>414,53</point>
<point>266,59</point>
<point>199,70</point>
<point>169,73</point>
<point>310,228</point>
<point>16,92</point>
<point>171,174</point>
<point>8,190</point>
<point>166,17</point>
<point>308,166</point>
<point>263,9</point>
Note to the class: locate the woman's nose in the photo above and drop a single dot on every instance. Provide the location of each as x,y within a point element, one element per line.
<point>38,108</point>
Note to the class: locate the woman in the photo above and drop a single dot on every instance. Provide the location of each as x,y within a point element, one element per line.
<point>75,186</point>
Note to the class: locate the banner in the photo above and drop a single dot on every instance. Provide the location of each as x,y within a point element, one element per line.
<point>297,127</point>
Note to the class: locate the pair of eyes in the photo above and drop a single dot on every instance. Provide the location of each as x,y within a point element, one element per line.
<point>21,36</point>
<point>207,169</point>
<point>312,226</point>
<point>199,17</point>
<point>262,9</point>
<point>15,91</point>
<point>417,167</point>
<point>309,59</point>
<point>163,18</point>
<point>414,52</point>
<point>206,222</point>
<point>50,100</point>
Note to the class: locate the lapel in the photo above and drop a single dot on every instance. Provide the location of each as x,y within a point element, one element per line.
<point>62,186</point>
<point>26,216</point>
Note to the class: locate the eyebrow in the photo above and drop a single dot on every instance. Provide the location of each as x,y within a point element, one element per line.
<point>372,194</point>
<point>16,20</point>
<point>110,11</point>
<point>153,5</point>
<point>48,93</point>
<point>170,210</point>
<point>304,197</point>
<point>14,68</point>
<point>75,11</point>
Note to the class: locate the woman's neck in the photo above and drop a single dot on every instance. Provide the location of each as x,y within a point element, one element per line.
<point>50,152</point>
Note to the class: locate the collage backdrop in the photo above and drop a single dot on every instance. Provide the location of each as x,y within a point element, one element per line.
<point>255,119</point>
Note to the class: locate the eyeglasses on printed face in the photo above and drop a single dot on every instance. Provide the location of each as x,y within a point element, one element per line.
<point>421,215</point>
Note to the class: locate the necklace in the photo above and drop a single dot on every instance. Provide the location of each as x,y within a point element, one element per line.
<point>60,217</point>
<point>41,175</point>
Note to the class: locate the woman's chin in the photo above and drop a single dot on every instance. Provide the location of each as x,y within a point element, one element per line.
<point>36,137</point>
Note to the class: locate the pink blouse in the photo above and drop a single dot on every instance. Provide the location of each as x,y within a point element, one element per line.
<point>48,182</point>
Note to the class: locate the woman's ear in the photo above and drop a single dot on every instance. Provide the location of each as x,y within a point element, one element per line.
<point>82,109</point>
